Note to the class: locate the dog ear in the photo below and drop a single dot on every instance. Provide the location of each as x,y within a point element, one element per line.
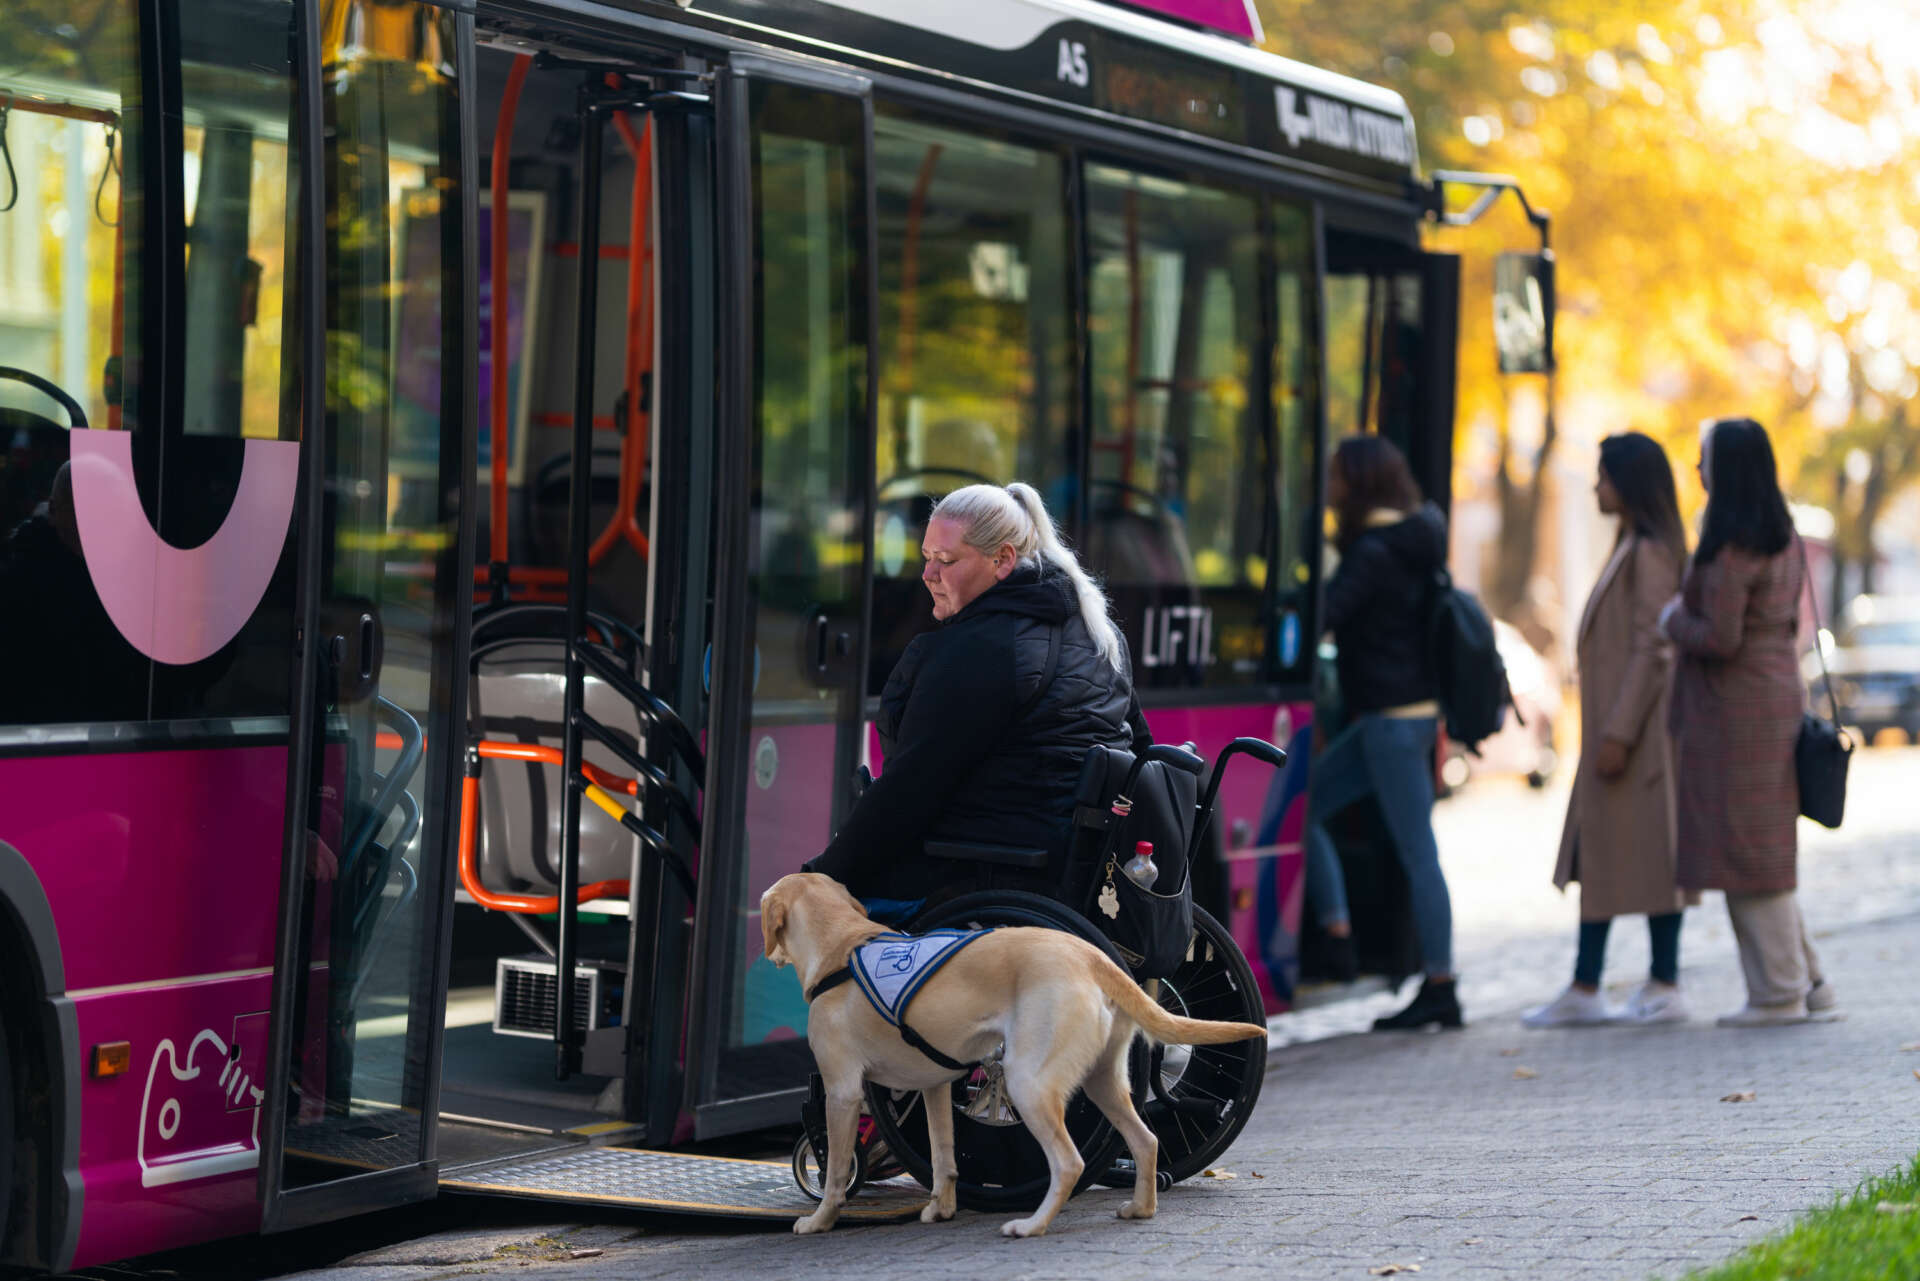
<point>773,929</point>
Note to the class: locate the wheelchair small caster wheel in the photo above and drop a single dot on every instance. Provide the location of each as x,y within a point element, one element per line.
<point>810,1172</point>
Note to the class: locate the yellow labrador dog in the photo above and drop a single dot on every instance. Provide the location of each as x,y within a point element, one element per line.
<point>1065,1013</point>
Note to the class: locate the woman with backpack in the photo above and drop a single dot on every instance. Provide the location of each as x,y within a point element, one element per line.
<point>1737,704</point>
<point>1619,836</point>
<point>1391,547</point>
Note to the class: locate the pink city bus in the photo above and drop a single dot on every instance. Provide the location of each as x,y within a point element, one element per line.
<point>462,468</point>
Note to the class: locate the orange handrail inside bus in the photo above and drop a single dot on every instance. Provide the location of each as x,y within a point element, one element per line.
<point>498,576</point>
<point>537,753</point>
<point>530,904</point>
<point>639,359</point>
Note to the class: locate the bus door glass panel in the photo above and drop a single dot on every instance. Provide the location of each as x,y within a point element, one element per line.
<point>1180,470</point>
<point>975,343</point>
<point>1391,330</point>
<point>1296,392</point>
<point>809,421</point>
<point>360,1013</point>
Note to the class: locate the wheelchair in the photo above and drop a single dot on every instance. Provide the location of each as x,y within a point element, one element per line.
<point>1196,1098</point>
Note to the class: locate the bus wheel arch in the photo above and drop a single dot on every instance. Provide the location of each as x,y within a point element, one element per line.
<point>40,1186</point>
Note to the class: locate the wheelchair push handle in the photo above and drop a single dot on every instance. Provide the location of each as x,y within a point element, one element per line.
<point>1259,748</point>
<point>1181,758</point>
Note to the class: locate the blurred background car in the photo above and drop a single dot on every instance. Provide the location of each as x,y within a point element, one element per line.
<point>1875,660</point>
<point>1525,743</point>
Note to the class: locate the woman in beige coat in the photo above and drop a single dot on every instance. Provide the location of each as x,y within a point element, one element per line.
<point>1737,704</point>
<point>1619,836</point>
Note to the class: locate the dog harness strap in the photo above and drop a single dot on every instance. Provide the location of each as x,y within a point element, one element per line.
<point>828,983</point>
<point>890,969</point>
<point>919,1043</point>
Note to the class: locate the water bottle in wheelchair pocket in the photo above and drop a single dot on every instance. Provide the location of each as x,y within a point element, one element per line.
<point>1151,924</point>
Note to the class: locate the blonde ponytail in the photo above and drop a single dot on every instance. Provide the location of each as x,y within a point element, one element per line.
<point>1016,515</point>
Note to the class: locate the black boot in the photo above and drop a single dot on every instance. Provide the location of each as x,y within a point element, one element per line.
<point>1433,1003</point>
<point>1343,963</point>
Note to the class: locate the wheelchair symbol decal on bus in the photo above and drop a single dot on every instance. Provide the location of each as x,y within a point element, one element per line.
<point>180,605</point>
<point>198,1123</point>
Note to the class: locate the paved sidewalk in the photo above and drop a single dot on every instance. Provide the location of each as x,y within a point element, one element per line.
<point>1493,1152</point>
<point>1514,933</point>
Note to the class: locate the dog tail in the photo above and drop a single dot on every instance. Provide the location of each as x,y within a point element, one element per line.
<point>1157,1022</point>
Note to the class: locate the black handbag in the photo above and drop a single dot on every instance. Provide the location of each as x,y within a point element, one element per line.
<point>1823,750</point>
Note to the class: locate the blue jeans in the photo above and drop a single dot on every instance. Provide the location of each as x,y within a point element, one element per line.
<point>1391,760</point>
<point>892,911</point>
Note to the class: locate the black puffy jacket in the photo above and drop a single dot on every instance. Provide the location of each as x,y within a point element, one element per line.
<point>1378,606</point>
<point>975,750</point>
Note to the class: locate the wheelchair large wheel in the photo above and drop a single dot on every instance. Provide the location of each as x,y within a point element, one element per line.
<point>1198,1097</point>
<point>1000,1166</point>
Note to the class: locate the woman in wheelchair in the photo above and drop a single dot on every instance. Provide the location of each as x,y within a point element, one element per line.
<point>986,721</point>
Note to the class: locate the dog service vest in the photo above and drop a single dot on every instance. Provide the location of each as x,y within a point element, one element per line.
<point>890,969</point>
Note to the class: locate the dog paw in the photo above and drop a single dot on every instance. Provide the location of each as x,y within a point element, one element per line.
<point>1022,1228</point>
<point>936,1213</point>
<point>1132,1211</point>
<point>809,1225</point>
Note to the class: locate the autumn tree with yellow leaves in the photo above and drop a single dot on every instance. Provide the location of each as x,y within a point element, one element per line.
<point>1732,187</point>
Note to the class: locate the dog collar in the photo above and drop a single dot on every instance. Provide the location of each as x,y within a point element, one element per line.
<point>828,983</point>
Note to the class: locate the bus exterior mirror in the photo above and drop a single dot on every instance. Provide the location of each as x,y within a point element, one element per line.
<point>1523,312</point>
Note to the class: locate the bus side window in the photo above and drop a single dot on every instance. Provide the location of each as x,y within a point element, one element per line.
<point>237,87</point>
<point>236,377</point>
<point>976,350</point>
<point>70,276</point>
<point>1179,464</point>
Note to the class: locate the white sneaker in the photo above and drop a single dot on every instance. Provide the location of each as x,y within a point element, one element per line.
<point>1572,1008</point>
<point>1656,1003</point>
<point>1823,1003</point>
<point>1751,1015</point>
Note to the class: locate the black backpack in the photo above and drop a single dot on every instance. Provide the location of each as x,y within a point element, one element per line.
<point>1474,694</point>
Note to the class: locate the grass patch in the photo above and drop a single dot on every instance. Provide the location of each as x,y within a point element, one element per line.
<point>1874,1232</point>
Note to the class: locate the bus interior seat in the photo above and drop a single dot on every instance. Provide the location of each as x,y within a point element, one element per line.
<point>517,697</point>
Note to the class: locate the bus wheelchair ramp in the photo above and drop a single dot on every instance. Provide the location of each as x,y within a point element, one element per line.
<point>676,1183</point>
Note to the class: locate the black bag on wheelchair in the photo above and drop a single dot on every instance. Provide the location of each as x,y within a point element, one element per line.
<point>1153,926</point>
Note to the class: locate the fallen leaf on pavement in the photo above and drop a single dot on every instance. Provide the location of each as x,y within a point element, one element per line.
<point>1910,1046</point>
<point>1390,1269</point>
<point>1894,1207</point>
<point>1738,1096</point>
<point>1524,1074</point>
<point>1471,1241</point>
<point>1255,1174</point>
<point>1508,1054</point>
<point>586,1254</point>
<point>1916,1074</point>
<point>1217,1173</point>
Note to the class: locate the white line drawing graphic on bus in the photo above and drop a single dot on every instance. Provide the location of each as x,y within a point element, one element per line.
<point>200,1125</point>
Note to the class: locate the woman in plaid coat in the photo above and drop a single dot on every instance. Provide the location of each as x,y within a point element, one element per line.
<point>1737,703</point>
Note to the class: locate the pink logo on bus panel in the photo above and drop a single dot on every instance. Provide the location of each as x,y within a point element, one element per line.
<point>204,1119</point>
<point>180,605</point>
